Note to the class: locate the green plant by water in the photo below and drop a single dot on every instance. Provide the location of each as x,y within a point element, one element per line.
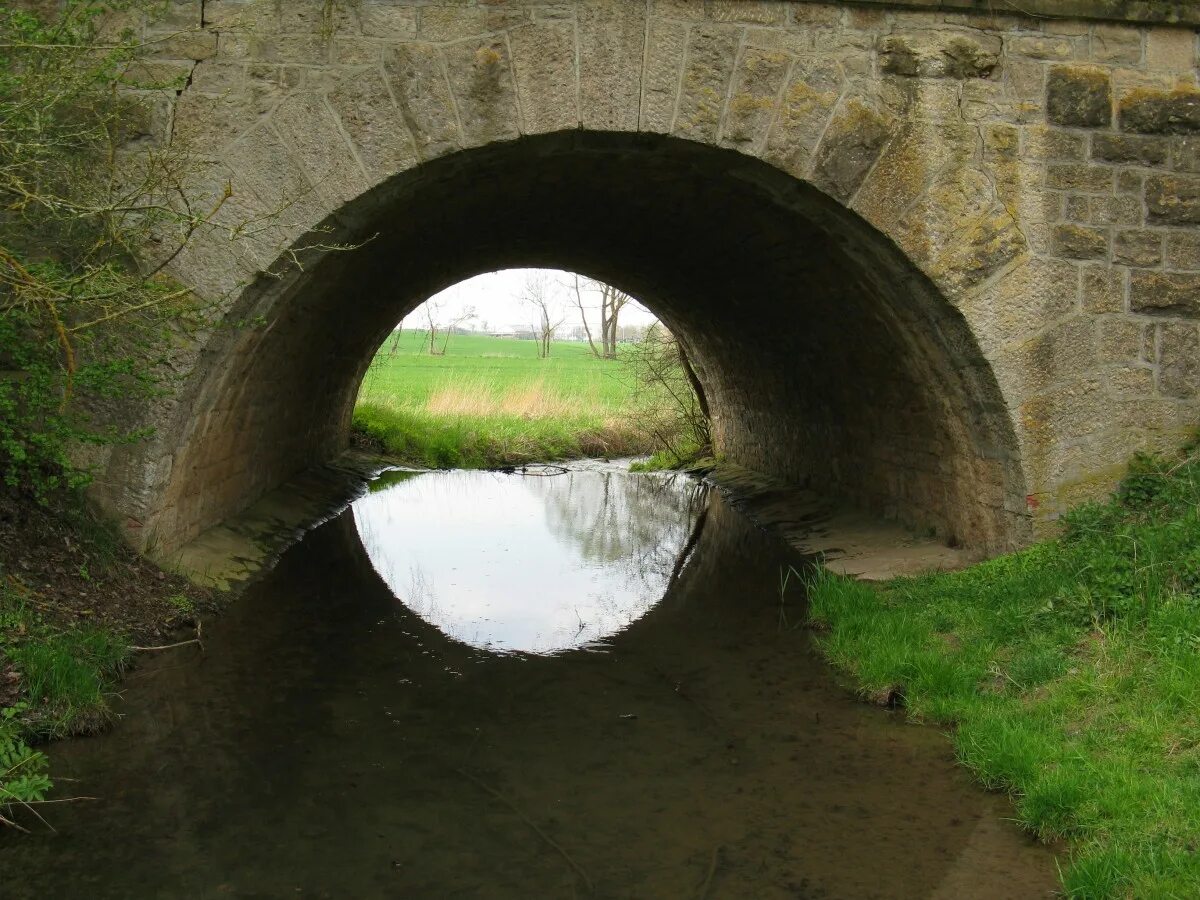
<point>1070,673</point>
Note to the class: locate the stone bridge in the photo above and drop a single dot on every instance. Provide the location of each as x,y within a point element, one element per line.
<point>938,258</point>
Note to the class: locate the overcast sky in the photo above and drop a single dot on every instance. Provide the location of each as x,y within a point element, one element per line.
<point>496,298</point>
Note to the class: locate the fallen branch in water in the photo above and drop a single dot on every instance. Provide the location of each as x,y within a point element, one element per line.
<point>532,824</point>
<point>198,639</point>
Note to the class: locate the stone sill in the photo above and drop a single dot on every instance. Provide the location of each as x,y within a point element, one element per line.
<point>1165,12</point>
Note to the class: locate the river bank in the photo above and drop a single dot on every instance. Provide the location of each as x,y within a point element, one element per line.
<point>1069,674</point>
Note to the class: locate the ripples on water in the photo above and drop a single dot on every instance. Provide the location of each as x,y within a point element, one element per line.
<point>407,707</point>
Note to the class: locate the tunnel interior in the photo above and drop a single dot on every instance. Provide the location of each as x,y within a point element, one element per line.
<point>828,359</point>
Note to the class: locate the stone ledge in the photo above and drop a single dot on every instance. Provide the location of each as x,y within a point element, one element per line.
<point>1165,12</point>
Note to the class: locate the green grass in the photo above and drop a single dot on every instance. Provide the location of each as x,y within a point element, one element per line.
<point>66,673</point>
<point>1071,672</point>
<point>491,401</point>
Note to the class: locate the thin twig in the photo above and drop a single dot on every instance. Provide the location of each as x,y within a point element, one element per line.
<point>532,824</point>
<point>166,646</point>
<point>713,862</point>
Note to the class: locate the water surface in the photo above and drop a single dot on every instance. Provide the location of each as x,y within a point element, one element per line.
<point>345,734</point>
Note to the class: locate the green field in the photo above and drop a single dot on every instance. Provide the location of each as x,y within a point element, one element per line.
<point>491,401</point>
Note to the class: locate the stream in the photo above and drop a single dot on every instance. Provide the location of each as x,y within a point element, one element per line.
<point>543,685</point>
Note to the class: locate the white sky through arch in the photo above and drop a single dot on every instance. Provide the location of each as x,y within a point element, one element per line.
<point>496,297</point>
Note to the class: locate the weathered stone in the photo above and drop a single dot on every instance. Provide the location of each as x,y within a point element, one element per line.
<point>1079,96</point>
<point>1077,208</point>
<point>934,54</point>
<point>665,49</point>
<point>1053,47</point>
<point>310,130</point>
<point>1185,154</point>
<point>480,75</point>
<point>708,69</point>
<point>611,45</point>
<point>1124,210</point>
<point>808,102</point>
<point>1052,144</point>
<point>1079,177</point>
<point>1165,293</point>
<point>1102,289</point>
<point>1127,148</point>
<point>419,85</point>
<point>1080,242</point>
<point>388,21</point>
<point>1119,340</point>
<point>1148,111</point>
<point>754,97</point>
<point>852,143</point>
<point>1131,381</point>
<point>1178,360</point>
<point>373,123</point>
<point>544,61</point>
<point>756,12</point>
<point>1138,248</point>
<point>1116,44</point>
<point>1183,249</point>
<point>1173,199</point>
<point>1170,49</point>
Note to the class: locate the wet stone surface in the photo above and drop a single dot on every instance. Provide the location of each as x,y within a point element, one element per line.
<point>342,737</point>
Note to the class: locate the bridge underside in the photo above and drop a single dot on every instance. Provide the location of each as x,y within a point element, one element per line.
<point>827,357</point>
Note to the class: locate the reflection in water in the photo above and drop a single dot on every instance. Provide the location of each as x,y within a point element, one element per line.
<point>330,743</point>
<point>532,563</point>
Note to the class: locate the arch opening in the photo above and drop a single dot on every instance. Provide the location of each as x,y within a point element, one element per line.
<point>827,358</point>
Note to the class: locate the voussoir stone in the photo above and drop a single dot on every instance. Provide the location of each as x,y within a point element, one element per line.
<point>1079,96</point>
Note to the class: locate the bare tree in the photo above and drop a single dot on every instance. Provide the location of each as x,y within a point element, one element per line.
<point>394,349</point>
<point>439,325</point>
<point>548,318</point>
<point>612,301</point>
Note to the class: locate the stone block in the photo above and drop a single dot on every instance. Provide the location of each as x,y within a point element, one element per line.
<point>1137,247</point>
<point>374,124</point>
<point>708,69</point>
<point>392,22</point>
<point>1079,96</point>
<point>807,105</point>
<point>480,75</point>
<point>1151,111</point>
<point>1119,340</point>
<point>1080,242</point>
<point>1173,199</point>
<point>544,63</point>
<point>1116,44</point>
<point>936,54</point>
<point>417,81</point>
<point>850,147</point>
<point>1171,49</point>
<point>1178,360</point>
<point>611,46</point>
<point>750,12</point>
<point>1183,249</point>
<point>666,45</point>
<point>1131,381</point>
<point>1051,47</point>
<point>1185,154</point>
<point>752,101</point>
<point>1123,210</point>
<point>1133,149</point>
<point>1165,293</point>
<point>1052,144</point>
<point>1102,289</point>
<point>1079,177</point>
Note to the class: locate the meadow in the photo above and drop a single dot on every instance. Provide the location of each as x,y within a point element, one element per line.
<point>490,401</point>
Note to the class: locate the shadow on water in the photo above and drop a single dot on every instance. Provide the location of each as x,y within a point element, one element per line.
<point>334,742</point>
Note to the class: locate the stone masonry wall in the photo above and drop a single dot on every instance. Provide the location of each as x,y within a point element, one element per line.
<point>1040,175</point>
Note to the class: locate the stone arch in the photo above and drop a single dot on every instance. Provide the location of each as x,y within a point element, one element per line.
<point>829,357</point>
